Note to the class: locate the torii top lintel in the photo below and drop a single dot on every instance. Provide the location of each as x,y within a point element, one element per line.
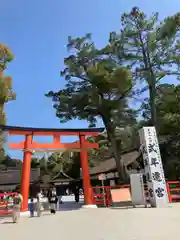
<point>16,130</point>
<point>56,133</point>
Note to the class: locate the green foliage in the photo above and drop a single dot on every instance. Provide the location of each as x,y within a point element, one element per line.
<point>100,82</point>
<point>127,139</point>
<point>152,49</point>
<point>6,56</point>
<point>56,163</point>
<point>74,168</point>
<point>168,109</point>
<point>7,161</point>
<point>35,163</point>
<point>168,121</point>
<point>6,93</point>
<point>97,86</point>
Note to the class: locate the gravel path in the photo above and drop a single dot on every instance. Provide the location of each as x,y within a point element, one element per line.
<point>98,224</point>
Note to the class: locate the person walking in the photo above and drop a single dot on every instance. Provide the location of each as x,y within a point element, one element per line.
<point>31,207</point>
<point>53,199</point>
<point>49,196</point>
<point>39,203</point>
<point>76,194</point>
<point>17,202</point>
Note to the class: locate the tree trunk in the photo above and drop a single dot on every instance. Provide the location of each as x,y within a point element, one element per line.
<point>116,152</point>
<point>152,95</point>
<point>151,78</point>
<point>118,159</point>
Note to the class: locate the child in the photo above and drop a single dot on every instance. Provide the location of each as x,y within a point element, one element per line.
<point>31,208</point>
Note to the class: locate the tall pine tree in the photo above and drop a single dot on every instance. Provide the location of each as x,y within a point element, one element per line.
<point>96,87</point>
<point>150,48</point>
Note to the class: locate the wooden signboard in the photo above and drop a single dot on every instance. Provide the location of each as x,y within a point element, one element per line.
<point>120,195</point>
<point>102,177</point>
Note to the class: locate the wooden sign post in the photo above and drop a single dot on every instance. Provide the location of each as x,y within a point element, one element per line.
<point>102,177</point>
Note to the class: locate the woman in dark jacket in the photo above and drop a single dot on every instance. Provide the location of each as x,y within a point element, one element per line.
<point>53,199</point>
<point>76,194</point>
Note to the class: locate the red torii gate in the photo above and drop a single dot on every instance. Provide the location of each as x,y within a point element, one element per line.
<point>28,145</point>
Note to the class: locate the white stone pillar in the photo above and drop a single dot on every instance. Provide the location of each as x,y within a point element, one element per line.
<point>153,167</point>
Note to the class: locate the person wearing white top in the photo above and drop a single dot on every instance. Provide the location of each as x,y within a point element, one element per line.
<point>17,202</point>
<point>39,204</point>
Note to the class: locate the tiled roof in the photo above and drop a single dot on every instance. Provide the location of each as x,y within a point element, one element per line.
<point>110,164</point>
<point>14,176</point>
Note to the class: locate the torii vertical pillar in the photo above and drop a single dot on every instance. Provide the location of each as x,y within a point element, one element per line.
<point>85,175</point>
<point>26,171</point>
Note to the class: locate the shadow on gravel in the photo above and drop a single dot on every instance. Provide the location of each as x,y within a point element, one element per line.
<point>6,222</point>
<point>64,207</point>
<point>70,206</point>
<point>127,205</point>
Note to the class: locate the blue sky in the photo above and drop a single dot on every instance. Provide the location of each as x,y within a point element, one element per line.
<point>37,31</point>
